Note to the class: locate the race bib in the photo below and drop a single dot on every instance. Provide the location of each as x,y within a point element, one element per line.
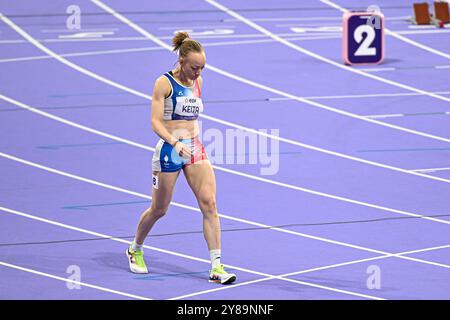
<point>155,181</point>
<point>189,106</point>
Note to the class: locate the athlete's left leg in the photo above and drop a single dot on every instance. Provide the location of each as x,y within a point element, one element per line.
<point>200,177</point>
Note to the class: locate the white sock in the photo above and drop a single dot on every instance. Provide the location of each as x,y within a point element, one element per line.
<point>215,257</point>
<point>136,247</point>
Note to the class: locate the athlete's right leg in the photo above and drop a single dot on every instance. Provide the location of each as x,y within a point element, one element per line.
<point>161,197</point>
<point>166,167</point>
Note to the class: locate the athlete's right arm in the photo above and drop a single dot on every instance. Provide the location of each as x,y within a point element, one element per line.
<point>161,89</point>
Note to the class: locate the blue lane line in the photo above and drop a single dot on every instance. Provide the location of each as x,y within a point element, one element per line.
<point>396,115</point>
<point>85,207</point>
<point>183,274</point>
<point>163,276</point>
<point>85,94</point>
<point>426,114</point>
<point>251,153</point>
<point>406,150</point>
<point>61,146</point>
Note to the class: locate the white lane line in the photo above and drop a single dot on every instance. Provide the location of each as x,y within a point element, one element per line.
<point>287,43</point>
<point>319,57</point>
<point>362,96</point>
<point>195,209</point>
<point>414,32</point>
<point>402,69</point>
<point>422,27</point>
<point>20,41</point>
<point>131,50</point>
<point>138,145</point>
<point>378,69</point>
<point>307,19</point>
<point>109,82</point>
<point>323,29</point>
<point>394,34</point>
<point>331,35</point>
<point>26,215</point>
<point>312,270</point>
<point>316,26</point>
<point>74,124</point>
<point>333,26</point>
<point>174,28</point>
<point>67,62</point>
<point>81,30</point>
<point>396,115</point>
<point>288,19</point>
<point>145,96</point>
<point>85,35</point>
<point>327,267</point>
<point>122,190</point>
<point>80,54</point>
<point>212,44</point>
<point>363,118</point>
<point>43,274</point>
<point>278,92</point>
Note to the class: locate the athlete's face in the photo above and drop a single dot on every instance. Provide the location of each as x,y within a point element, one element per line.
<point>193,64</point>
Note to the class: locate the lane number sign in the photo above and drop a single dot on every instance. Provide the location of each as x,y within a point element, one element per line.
<point>363,38</point>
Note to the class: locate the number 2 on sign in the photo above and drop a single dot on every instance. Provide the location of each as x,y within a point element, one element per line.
<point>364,48</point>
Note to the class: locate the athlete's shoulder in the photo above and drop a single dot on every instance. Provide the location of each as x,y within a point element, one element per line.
<point>163,81</point>
<point>162,85</point>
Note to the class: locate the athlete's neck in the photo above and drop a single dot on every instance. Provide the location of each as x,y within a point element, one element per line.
<point>181,77</point>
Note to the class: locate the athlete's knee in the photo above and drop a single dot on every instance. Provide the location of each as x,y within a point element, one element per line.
<point>158,211</point>
<point>208,204</point>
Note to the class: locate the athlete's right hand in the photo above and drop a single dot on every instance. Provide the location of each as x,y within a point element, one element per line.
<point>183,150</point>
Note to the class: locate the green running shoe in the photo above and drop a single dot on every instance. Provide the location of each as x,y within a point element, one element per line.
<point>136,261</point>
<point>219,275</point>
